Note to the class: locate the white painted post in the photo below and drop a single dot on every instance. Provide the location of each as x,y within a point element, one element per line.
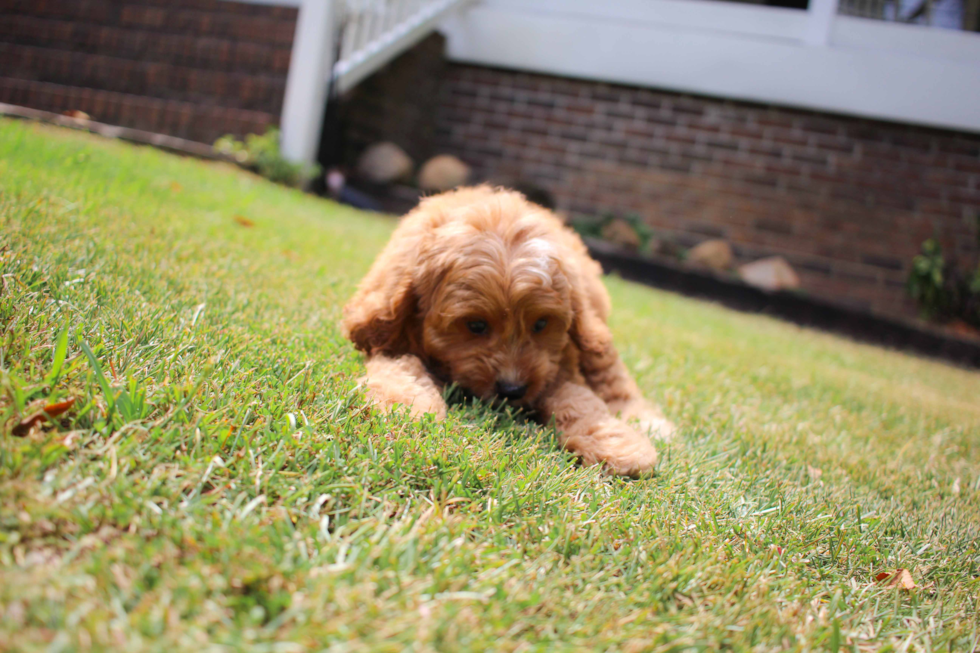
<point>310,66</point>
<point>820,20</point>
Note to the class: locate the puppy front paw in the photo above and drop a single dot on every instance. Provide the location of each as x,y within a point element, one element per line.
<point>646,418</point>
<point>633,456</point>
<point>418,401</point>
<point>639,463</point>
<point>656,427</point>
<point>615,445</point>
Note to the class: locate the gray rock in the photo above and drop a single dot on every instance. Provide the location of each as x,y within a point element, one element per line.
<point>621,233</point>
<point>443,172</point>
<point>712,254</point>
<point>772,273</point>
<point>384,163</point>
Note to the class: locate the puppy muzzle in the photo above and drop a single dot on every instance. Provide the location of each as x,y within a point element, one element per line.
<point>511,391</point>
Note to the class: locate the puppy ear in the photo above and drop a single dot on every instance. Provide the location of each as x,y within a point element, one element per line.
<point>590,306</point>
<point>381,315</point>
<point>589,331</point>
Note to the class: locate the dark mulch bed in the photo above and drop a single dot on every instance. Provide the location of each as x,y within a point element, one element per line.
<point>791,306</point>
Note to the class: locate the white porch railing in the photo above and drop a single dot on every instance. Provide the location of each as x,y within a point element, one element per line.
<point>376,31</point>
<point>817,59</point>
<point>341,42</point>
<point>949,14</point>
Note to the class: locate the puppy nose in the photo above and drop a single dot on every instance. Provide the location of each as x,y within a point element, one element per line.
<point>510,390</point>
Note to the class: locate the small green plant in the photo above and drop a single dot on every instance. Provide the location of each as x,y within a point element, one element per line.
<point>941,291</point>
<point>587,227</point>
<point>262,154</point>
<point>642,229</point>
<point>641,236</point>
<point>972,301</point>
<point>629,232</point>
<point>927,281</point>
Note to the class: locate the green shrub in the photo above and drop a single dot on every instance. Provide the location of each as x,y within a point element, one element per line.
<point>972,303</point>
<point>593,228</point>
<point>587,227</point>
<point>941,291</point>
<point>262,155</point>
<point>928,281</point>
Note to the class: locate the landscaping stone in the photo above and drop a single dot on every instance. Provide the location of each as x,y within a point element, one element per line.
<point>773,273</point>
<point>384,163</point>
<point>621,233</point>
<point>443,172</point>
<point>713,254</point>
<point>667,249</point>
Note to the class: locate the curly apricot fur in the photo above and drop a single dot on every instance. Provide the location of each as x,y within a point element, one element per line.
<point>479,287</point>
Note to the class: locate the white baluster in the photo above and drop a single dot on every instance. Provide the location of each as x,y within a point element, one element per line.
<point>310,66</point>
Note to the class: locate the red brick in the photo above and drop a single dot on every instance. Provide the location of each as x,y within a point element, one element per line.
<point>773,181</point>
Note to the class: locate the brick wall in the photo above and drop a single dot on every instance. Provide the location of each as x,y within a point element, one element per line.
<point>398,103</point>
<point>190,68</point>
<point>847,201</point>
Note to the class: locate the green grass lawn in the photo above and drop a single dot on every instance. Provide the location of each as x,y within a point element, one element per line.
<point>219,482</point>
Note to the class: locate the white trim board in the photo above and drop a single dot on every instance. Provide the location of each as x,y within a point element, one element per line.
<point>893,72</point>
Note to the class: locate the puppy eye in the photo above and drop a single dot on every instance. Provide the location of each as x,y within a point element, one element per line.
<point>478,327</point>
<point>540,325</point>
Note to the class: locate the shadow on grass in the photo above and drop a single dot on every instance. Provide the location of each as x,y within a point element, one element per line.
<point>518,425</point>
<point>497,413</point>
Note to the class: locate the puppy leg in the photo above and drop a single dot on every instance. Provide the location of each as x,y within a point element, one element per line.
<point>608,377</point>
<point>587,428</point>
<point>404,381</point>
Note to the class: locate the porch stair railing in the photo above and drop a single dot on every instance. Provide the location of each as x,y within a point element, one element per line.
<point>340,43</point>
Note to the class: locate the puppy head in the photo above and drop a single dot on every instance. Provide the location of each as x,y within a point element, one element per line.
<point>486,288</point>
<point>497,312</point>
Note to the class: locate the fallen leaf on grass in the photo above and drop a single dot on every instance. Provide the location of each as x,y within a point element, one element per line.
<point>900,578</point>
<point>46,413</point>
<point>243,221</point>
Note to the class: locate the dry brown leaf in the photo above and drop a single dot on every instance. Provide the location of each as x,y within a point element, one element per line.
<point>900,578</point>
<point>904,579</point>
<point>243,221</point>
<point>48,412</point>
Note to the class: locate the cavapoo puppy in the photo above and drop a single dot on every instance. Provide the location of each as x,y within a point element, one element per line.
<point>481,288</point>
